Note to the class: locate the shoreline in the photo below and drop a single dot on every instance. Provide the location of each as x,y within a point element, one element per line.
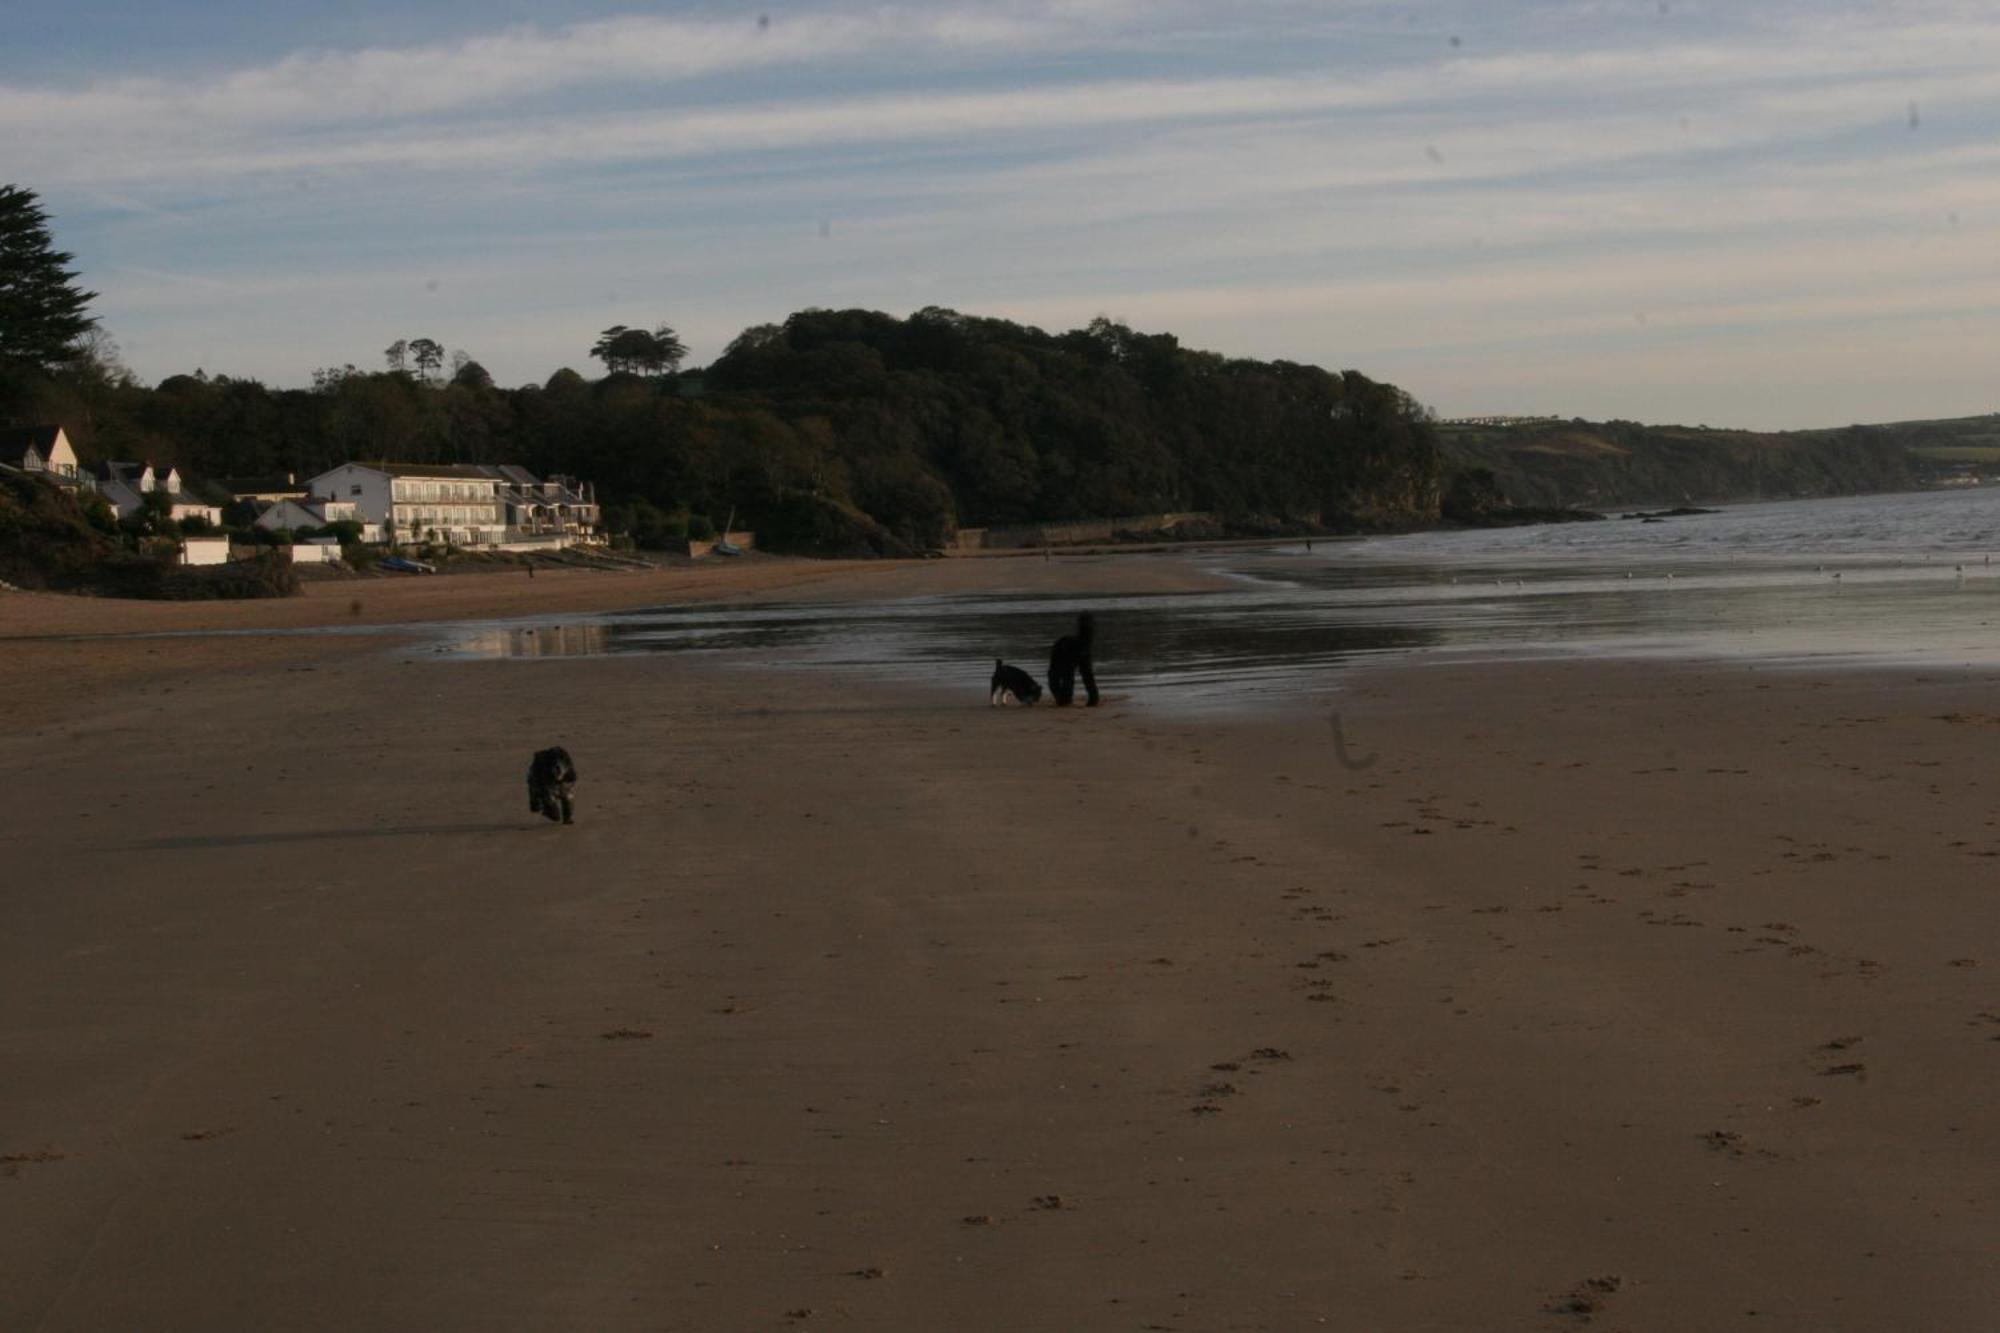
<point>54,635</point>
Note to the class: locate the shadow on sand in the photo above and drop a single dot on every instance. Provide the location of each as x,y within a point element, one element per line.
<point>198,842</point>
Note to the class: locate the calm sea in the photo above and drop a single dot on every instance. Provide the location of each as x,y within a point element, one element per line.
<point>1876,580</point>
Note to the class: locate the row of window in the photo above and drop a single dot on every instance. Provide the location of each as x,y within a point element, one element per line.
<point>408,515</point>
<point>442,490</point>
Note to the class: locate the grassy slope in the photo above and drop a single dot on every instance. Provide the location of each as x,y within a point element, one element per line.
<point>1623,463</point>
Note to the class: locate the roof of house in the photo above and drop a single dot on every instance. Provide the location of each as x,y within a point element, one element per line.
<point>315,506</point>
<point>440,471</point>
<point>16,441</point>
<point>511,474</point>
<point>112,470</point>
<point>262,486</point>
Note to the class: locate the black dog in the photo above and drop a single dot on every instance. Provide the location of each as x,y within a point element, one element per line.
<point>1010,682</point>
<point>550,777</point>
<point>1069,659</point>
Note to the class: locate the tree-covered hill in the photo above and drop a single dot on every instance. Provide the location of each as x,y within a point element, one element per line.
<point>1002,423</point>
<point>837,431</point>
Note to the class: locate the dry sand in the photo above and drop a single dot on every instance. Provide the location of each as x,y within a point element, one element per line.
<point>1627,998</point>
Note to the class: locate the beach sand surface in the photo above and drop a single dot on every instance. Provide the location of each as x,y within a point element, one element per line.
<point>1537,997</point>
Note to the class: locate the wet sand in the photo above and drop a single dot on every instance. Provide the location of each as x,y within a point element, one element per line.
<point>46,637</point>
<point>1608,996</point>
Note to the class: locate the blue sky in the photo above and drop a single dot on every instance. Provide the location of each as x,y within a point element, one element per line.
<point>1781,214</point>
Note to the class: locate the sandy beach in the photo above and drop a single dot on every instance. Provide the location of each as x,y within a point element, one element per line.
<point>1552,996</point>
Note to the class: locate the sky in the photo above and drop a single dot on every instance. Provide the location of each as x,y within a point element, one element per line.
<point>1780,214</point>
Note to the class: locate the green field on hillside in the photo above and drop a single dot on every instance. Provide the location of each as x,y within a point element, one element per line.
<point>1958,453</point>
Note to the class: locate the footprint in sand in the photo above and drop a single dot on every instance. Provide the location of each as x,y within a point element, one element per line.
<point>1586,1299</point>
<point>11,1163</point>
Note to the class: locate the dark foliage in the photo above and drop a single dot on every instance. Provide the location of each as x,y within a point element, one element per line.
<point>843,432</point>
<point>41,308</point>
<point>50,539</point>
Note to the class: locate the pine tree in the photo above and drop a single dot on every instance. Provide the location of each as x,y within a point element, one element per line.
<point>41,309</point>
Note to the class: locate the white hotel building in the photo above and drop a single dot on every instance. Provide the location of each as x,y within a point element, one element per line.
<point>461,504</point>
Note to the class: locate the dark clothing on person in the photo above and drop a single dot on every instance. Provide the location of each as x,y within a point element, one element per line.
<point>1069,659</point>
<point>550,777</point>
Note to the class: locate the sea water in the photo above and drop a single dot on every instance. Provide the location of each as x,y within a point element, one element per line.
<point>1882,580</point>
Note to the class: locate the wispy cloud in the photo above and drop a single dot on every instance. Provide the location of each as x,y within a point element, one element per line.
<point>448,105</point>
<point>322,88</point>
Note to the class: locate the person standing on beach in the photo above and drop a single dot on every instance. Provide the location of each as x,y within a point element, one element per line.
<point>1069,658</point>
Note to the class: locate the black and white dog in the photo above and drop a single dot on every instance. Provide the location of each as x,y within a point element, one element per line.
<point>1011,684</point>
<point>1070,658</point>
<point>550,776</point>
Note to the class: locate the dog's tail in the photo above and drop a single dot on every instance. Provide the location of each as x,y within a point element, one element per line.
<point>997,664</point>
<point>1086,626</point>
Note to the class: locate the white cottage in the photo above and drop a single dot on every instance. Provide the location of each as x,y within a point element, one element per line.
<point>123,485</point>
<point>44,449</point>
<point>126,485</point>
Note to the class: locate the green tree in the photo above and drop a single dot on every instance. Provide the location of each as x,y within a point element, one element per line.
<point>635,351</point>
<point>42,310</point>
<point>429,356</point>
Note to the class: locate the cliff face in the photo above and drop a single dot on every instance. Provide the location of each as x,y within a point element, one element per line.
<point>1609,464</point>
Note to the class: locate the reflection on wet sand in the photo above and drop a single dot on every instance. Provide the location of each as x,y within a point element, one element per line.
<point>1878,579</point>
<point>1291,627</point>
<point>577,638</point>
